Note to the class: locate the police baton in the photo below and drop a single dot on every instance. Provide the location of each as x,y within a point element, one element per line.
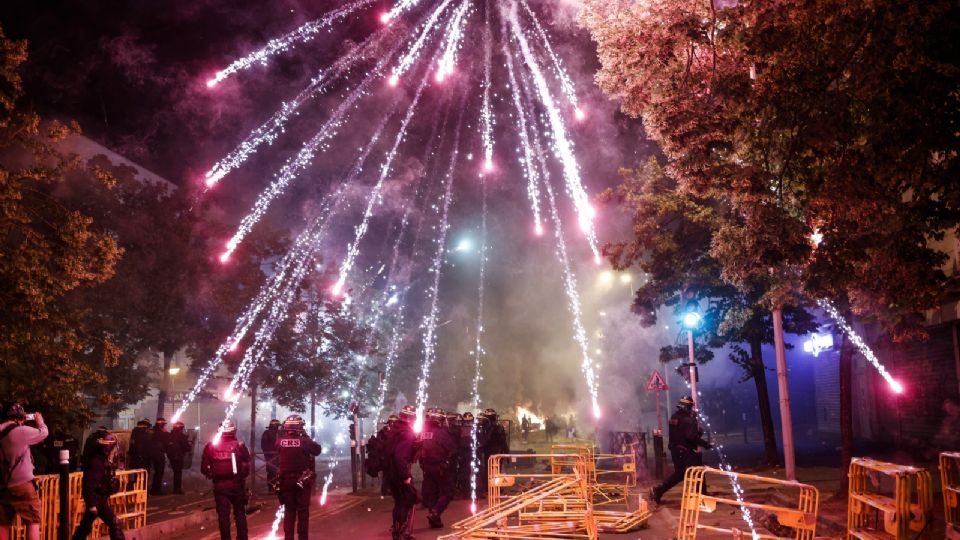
<point>63,527</point>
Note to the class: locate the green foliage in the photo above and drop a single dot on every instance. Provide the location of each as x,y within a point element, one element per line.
<point>829,116</point>
<point>48,357</point>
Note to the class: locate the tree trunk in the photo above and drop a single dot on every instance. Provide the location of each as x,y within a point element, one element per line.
<point>763,399</point>
<point>164,382</point>
<point>846,413</point>
<point>253,436</point>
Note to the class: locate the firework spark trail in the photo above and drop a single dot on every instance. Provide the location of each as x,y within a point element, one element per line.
<point>408,59</point>
<point>530,171</point>
<point>478,351</point>
<point>569,279</point>
<point>858,342</point>
<point>304,157</point>
<point>566,84</point>
<point>282,44</point>
<point>361,229</point>
<point>453,40</point>
<point>274,126</point>
<point>562,147</point>
<point>277,520</point>
<point>279,307</point>
<point>399,8</point>
<point>430,321</point>
<point>293,264</point>
<point>734,478</point>
<point>486,113</point>
<point>293,269</point>
<point>393,348</point>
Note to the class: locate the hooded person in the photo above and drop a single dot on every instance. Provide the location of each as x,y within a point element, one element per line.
<point>226,461</point>
<point>685,443</point>
<point>98,484</point>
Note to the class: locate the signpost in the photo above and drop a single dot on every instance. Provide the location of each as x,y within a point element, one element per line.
<point>658,384</point>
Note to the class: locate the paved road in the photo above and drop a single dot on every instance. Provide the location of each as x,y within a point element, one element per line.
<point>367,517</point>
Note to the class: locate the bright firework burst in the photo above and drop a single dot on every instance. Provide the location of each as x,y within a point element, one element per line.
<point>421,41</point>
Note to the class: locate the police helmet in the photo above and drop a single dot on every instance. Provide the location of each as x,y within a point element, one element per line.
<point>408,413</point>
<point>228,426</point>
<point>106,440</point>
<point>143,423</point>
<point>392,420</point>
<point>15,411</point>
<point>160,422</point>
<point>435,415</point>
<point>453,418</point>
<point>274,423</point>
<point>685,403</point>
<point>468,416</point>
<point>177,426</point>
<point>293,423</point>
<point>490,414</point>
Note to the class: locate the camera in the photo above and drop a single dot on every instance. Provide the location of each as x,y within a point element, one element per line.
<point>30,417</point>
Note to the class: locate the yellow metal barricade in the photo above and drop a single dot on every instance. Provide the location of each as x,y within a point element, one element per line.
<point>49,486</point>
<point>899,498</point>
<point>130,504</point>
<point>802,518</point>
<point>535,499</point>
<point>950,484</point>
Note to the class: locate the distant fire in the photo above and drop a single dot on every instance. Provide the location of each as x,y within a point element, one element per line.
<point>534,419</point>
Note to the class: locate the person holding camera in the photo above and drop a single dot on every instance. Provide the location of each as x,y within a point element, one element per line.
<point>226,461</point>
<point>99,483</point>
<point>18,494</point>
<point>296,452</point>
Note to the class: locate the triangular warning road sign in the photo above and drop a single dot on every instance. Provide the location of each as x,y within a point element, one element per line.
<point>657,382</point>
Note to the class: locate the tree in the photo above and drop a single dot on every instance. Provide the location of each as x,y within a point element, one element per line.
<point>672,235</point>
<point>318,354</point>
<point>825,116</point>
<point>47,356</point>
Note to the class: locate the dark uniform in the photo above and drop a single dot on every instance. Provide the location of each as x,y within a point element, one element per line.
<point>438,450</point>
<point>97,485</point>
<point>158,446</point>
<point>178,446</point>
<point>685,441</point>
<point>138,455</point>
<point>401,450</point>
<point>268,445</point>
<point>227,463</point>
<point>296,452</point>
<point>465,456</point>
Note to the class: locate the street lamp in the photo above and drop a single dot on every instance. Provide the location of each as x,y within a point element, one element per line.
<point>691,319</point>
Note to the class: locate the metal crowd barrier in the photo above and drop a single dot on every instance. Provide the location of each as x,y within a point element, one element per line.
<point>130,504</point>
<point>950,483</point>
<point>553,503</point>
<point>611,476</point>
<point>898,497</point>
<point>802,518</point>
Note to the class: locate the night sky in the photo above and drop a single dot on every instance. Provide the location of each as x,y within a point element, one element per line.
<point>133,74</point>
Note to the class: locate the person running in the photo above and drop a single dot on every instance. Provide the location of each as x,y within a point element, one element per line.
<point>686,446</point>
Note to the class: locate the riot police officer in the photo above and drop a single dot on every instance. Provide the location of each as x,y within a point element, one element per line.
<point>138,455</point>
<point>438,450</point>
<point>377,451</point>
<point>226,461</point>
<point>97,485</point>
<point>296,453</point>
<point>496,441</point>
<point>465,454</point>
<point>685,444</point>
<point>268,444</point>
<point>178,446</point>
<point>401,450</point>
<point>158,446</point>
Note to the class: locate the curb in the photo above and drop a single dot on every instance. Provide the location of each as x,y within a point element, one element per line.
<point>157,531</point>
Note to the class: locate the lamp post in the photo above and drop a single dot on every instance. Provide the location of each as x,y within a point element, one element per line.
<point>691,320</point>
